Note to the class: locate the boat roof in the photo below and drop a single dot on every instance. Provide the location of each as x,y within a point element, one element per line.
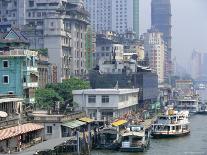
<point>132,133</point>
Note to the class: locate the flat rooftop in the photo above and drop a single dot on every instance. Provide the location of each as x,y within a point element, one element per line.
<point>105,91</point>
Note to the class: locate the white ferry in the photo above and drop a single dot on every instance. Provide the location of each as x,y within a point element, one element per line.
<point>171,124</point>
<point>188,103</point>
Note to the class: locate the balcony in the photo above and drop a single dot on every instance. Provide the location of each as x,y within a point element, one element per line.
<point>30,85</point>
<point>32,69</point>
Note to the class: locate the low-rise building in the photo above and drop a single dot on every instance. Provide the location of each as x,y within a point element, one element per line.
<point>57,125</point>
<point>15,132</point>
<point>106,104</point>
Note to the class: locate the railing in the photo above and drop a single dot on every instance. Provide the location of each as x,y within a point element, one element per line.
<point>18,52</point>
<point>59,118</point>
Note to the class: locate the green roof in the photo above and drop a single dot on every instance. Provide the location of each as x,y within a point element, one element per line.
<point>73,124</point>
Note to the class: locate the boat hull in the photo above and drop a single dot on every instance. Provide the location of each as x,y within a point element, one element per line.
<point>133,149</point>
<point>160,135</point>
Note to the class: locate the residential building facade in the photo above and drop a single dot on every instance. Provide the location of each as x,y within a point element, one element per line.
<point>54,21</point>
<point>111,15</point>
<point>106,104</point>
<point>155,48</point>
<point>18,67</point>
<point>108,50</point>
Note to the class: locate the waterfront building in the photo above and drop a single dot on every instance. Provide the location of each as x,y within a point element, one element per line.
<point>155,47</point>
<point>57,125</point>
<point>15,132</point>
<point>111,15</point>
<point>18,66</point>
<point>127,75</point>
<point>106,104</point>
<point>161,20</point>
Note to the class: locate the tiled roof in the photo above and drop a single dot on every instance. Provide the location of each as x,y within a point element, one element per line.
<point>18,130</point>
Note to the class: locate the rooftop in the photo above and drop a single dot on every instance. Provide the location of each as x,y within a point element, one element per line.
<point>105,91</point>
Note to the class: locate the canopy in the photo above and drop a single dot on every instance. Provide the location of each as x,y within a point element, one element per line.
<point>86,119</point>
<point>18,130</point>
<point>119,122</point>
<point>73,124</point>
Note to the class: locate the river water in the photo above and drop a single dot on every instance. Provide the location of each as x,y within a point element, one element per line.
<point>193,144</point>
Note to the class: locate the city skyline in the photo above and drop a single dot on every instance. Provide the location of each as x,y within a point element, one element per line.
<point>187,27</point>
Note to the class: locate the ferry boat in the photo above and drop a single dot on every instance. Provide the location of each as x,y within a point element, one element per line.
<point>171,124</point>
<point>135,139</point>
<point>189,103</point>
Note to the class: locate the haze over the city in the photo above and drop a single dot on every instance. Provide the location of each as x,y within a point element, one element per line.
<point>188,26</point>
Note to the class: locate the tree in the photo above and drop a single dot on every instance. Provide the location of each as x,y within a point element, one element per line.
<point>65,88</point>
<point>46,98</point>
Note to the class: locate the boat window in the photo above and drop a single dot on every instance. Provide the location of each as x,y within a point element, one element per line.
<point>136,128</point>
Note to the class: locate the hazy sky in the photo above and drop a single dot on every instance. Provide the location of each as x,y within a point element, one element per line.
<point>189,31</point>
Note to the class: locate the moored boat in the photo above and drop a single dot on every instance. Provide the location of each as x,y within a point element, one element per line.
<point>135,139</point>
<point>171,124</point>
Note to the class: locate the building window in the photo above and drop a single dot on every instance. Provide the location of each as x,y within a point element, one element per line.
<point>91,99</point>
<point>5,63</point>
<point>105,99</point>
<point>31,3</point>
<point>49,129</point>
<point>5,79</point>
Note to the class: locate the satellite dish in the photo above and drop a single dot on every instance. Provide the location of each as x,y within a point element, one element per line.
<point>3,114</point>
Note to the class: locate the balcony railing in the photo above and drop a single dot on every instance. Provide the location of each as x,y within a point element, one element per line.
<point>30,84</point>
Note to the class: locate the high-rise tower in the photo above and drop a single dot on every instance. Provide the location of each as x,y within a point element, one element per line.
<point>161,20</point>
<point>114,15</point>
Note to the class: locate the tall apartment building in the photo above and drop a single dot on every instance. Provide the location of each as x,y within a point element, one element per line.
<point>114,15</point>
<point>161,20</point>
<point>196,64</point>
<point>155,48</point>
<point>51,25</point>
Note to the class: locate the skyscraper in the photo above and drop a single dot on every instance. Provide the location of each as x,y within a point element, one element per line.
<point>161,20</point>
<point>114,15</point>
<point>196,64</point>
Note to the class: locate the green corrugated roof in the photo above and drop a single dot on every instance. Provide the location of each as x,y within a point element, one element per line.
<point>73,124</point>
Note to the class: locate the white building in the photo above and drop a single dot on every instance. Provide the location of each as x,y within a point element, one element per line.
<point>155,48</point>
<point>102,104</point>
<point>114,15</point>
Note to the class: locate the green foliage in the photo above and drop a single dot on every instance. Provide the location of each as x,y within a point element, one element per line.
<point>65,88</point>
<point>45,98</point>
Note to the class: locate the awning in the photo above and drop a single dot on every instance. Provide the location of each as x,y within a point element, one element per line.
<point>18,130</point>
<point>119,122</point>
<point>86,119</point>
<point>73,124</point>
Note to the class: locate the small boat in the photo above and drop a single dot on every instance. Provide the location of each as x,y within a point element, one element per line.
<point>108,139</point>
<point>171,124</point>
<point>202,109</point>
<point>135,139</point>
